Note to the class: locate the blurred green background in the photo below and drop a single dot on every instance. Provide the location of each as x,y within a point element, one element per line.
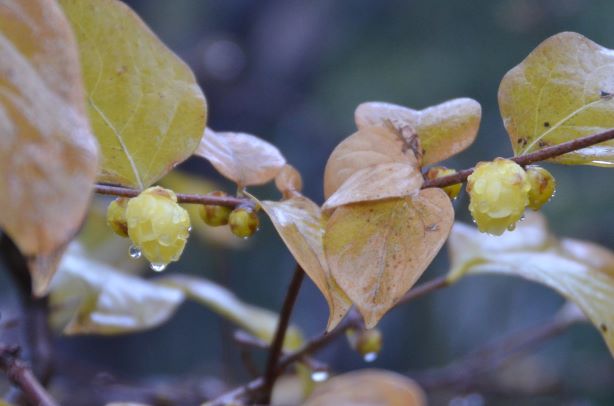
<point>292,72</point>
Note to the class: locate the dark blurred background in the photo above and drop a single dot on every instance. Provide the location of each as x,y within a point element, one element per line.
<point>293,72</point>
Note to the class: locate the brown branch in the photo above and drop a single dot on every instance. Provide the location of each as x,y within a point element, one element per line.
<point>462,374</point>
<point>315,344</point>
<point>228,201</point>
<point>280,334</point>
<point>21,376</point>
<point>527,159</point>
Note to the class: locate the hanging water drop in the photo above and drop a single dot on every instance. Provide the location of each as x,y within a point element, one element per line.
<point>319,376</point>
<point>370,357</point>
<point>157,267</point>
<point>189,229</point>
<point>134,252</point>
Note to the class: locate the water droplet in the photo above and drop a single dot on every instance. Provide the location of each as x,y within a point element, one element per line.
<point>511,227</point>
<point>319,376</point>
<point>189,229</point>
<point>157,267</point>
<point>523,217</point>
<point>135,252</point>
<point>370,357</point>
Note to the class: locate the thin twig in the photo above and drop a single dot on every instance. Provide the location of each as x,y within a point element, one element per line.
<point>464,373</point>
<point>228,201</point>
<point>537,156</point>
<point>21,376</point>
<point>319,342</point>
<point>280,333</point>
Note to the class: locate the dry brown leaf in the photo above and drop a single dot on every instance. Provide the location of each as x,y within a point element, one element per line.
<point>368,387</point>
<point>48,156</point>
<point>299,222</point>
<point>366,148</point>
<point>377,250</point>
<point>382,181</point>
<point>444,130</point>
<point>289,181</point>
<point>243,158</point>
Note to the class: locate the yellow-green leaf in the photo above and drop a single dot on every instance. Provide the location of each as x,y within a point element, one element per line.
<point>145,106</point>
<point>376,251</point>
<point>260,322</point>
<point>48,156</point>
<point>563,90</point>
<point>368,387</point>
<point>365,149</point>
<point>444,130</point>
<point>581,271</point>
<point>90,297</point>
<point>243,158</point>
<point>300,224</point>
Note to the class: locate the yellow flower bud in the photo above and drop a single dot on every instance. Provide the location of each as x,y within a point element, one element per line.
<point>116,216</point>
<point>243,222</point>
<point>499,193</point>
<point>214,215</point>
<point>441,171</point>
<point>157,225</point>
<point>542,186</point>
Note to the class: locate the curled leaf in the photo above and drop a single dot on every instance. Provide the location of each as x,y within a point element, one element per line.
<point>289,181</point>
<point>382,181</point>
<point>300,224</point>
<point>48,156</point>
<point>243,158</point>
<point>366,148</point>
<point>580,271</point>
<point>376,251</point>
<point>260,322</point>
<point>145,106</point>
<point>444,130</point>
<point>563,90</point>
<point>368,387</point>
<point>89,297</point>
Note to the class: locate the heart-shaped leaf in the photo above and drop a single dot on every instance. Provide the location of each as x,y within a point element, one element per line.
<point>582,272</point>
<point>444,130</point>
<point>89,297</point>
<point>243,158</point>
<point>365,149</point>
<point>377,250</point>
<point>145,106</point>
<point>300,224</point>
<point>368,387</point>
<point>563,90</point>
<point>48,156</point>
<point>260,322</point>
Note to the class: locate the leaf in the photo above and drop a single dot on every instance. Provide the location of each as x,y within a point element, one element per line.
<point>444,130</point>
<point>560,92</point>
<point>289,181</point>
<point>145,106</point>
<point>368,387</point>
<point>382,181</point>
<point>260,322</point>
<point>300,224</point>
<point>90,297</point>
<point>48,156</point>
<point>243,158</point>
<point>377,250</point>
<point>183,182</point>
<point>365,149</point>
<point>580,271</point>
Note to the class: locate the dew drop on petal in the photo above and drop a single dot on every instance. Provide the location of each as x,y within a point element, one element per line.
<point>157,267</point>
<point>319,376</point>
<point>370,357</point>
<point>134,252</point>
